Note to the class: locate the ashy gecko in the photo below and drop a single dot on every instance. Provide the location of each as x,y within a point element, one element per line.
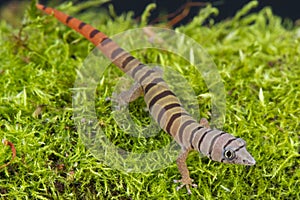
<point>164,106</point>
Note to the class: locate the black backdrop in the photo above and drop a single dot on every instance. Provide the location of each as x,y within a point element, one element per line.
<point>286,9</point>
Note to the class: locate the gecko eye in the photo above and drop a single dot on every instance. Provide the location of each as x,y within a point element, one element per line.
<point>229,154</point>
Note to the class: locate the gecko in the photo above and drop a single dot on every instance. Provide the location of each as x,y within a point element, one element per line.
<point>164,106</point>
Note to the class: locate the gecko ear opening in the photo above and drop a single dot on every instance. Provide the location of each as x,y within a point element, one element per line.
<point>241,142</point>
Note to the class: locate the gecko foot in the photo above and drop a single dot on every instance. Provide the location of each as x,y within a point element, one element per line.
<point>187,182</point>
<point>204,122</point>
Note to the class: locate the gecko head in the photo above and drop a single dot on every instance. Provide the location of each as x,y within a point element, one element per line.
<point>236,153</point>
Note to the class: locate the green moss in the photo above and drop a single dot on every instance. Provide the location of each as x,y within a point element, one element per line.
<point>257,58</point>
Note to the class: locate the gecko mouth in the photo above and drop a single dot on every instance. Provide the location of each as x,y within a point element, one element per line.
<point>249,161</point>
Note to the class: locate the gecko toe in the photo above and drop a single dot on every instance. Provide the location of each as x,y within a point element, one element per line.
<point>187,182</point>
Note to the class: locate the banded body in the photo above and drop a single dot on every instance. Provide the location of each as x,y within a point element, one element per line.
<point>164,106</point>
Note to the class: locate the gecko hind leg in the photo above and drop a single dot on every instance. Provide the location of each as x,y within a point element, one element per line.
<point>134,92</point>
<point>204,122</point>
<point>125,97</point>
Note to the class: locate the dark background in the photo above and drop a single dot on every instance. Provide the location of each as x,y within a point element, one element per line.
<point>287,9</point>
<point>227,8</point>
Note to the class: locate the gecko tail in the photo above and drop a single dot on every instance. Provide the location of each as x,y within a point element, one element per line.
<point>88,31</point>
<point>121,58</point>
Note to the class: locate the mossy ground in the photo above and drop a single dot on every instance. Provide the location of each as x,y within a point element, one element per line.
<point>257,56</point>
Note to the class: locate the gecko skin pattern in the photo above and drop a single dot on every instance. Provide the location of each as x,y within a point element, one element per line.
<point>164,106</point>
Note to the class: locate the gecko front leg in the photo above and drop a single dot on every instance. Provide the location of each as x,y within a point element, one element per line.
<point>185,174</point>
<point>204,122</point>
<point>182,167</point>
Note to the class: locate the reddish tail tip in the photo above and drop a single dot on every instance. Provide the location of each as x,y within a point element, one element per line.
<point>40,6</point>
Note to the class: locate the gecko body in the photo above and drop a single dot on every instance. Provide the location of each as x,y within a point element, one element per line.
<point>164,106</point>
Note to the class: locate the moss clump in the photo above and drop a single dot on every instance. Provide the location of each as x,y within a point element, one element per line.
<point>257,57</point>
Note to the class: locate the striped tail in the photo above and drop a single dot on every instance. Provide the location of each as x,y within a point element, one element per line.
<point>109,48</point>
